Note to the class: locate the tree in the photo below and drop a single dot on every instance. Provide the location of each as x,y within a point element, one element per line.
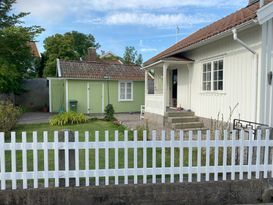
<point>69,46</point>
<point>15,53</point>
<point>131,56</point>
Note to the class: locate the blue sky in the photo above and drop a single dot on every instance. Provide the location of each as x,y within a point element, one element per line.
<point>148,25</point>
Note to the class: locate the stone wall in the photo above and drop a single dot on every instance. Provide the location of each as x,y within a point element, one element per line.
<point>228,192</point>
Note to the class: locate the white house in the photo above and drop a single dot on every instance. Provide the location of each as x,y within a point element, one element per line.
<point>225,63</point>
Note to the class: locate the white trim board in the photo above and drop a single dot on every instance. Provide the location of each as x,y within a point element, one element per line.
<point>88,97</point>
<point>132,91</point>
<point>102,99</point>
<point>66,95</point>
<point>50,98</point>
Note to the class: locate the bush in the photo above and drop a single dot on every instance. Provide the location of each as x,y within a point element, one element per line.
<point>8,116</point>
<point>109,112</point>
<point>68,118</point>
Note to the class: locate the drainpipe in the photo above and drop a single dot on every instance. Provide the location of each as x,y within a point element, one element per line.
<point>256,67</point>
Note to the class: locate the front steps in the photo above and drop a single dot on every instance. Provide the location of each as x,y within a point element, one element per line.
<point>183,120</point>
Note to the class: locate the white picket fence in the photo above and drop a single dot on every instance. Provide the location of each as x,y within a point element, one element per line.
<point>198,167</point>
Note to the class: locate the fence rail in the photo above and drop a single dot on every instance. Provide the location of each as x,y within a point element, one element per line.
<point>181,157</point>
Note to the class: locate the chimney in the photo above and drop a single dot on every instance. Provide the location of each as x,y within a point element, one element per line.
<point>252,1</point>
<point>91,54</point>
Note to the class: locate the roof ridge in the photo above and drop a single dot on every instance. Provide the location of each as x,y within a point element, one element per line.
<point>96,62</point>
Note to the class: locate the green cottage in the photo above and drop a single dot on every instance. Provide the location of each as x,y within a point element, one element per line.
<point>93,84</point>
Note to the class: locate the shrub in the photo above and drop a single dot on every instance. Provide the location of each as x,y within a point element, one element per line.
<point>8,116</point>
<point>68,118</point>
<point>109,112</point>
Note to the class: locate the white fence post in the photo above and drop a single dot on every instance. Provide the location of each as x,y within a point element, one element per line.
<point>258,152</point>
<point>135,157</point>
<point>13,160</point>
<point>77,162</point>
<point>24,159</point>
<point>125,157</point>
<point>45,159</point>
<point>225,155</point>
<point>181,157</point>
<point>250,154</point>
<point>241,174</point>
<point>172,157</point>
<point>97,182</point>
<point>145,157</point>
<point>199,152</point>
<point>233,155</point>
<point>87,168</point>
<point>207,155</point>
<point>116,158</point>
<point>266,163</point>
<point>35,160</point>
<point>163,138</point>
<point>154,156</point>
<point>107,158</point>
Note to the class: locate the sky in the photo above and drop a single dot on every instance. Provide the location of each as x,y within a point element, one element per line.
<point>149,25</point>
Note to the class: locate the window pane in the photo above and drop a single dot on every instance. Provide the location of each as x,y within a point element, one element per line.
<point>209,76</point>
<point>215,85</point>
<point>204,68</point>
<point>122,91</point>
<point>215,75</point>
<point>221,65</point>
<point>209,67</point>
<point>215,65</point>
<point>220,85</point>
<point>220,75</point>
<point>208,86</point>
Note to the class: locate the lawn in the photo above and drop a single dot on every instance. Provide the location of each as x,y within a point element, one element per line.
<point>92,126</point>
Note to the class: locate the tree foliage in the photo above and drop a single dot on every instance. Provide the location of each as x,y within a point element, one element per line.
<point>15,53</point>
<point>131,56</point>
<point>69,46</point>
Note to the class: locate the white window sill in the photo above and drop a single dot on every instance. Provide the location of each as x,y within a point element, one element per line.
<point>127,100</point>
<point>213,93</point>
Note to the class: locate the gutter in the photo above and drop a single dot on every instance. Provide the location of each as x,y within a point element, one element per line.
<point>256,67</point>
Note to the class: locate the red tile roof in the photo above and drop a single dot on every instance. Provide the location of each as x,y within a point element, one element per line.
<point>239,17</point>
<point>97,71</point>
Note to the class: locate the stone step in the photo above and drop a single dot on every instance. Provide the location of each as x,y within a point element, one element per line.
<point>187,125</point>
<point>179,114</point>
<point>183,119</point>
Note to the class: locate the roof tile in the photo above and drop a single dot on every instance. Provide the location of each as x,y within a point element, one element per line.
<point>95,70</point>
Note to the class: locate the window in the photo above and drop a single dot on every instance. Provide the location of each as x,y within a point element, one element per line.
<point>125,91</point>
<point>213,77</point>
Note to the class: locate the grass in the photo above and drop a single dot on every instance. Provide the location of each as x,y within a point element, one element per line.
<point>92,126</point>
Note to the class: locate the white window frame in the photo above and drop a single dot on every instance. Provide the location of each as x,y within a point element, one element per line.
<point>132,91</point>
<point>212,77</point>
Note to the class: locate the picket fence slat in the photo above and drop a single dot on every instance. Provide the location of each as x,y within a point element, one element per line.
<point>186,155</point>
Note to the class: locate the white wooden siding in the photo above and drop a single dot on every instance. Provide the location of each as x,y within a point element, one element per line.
<point>239,77</point>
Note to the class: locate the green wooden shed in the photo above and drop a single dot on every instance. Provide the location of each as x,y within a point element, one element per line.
<point>94,84</point>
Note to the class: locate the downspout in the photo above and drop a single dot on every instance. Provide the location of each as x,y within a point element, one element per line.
<point>256,67</point>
